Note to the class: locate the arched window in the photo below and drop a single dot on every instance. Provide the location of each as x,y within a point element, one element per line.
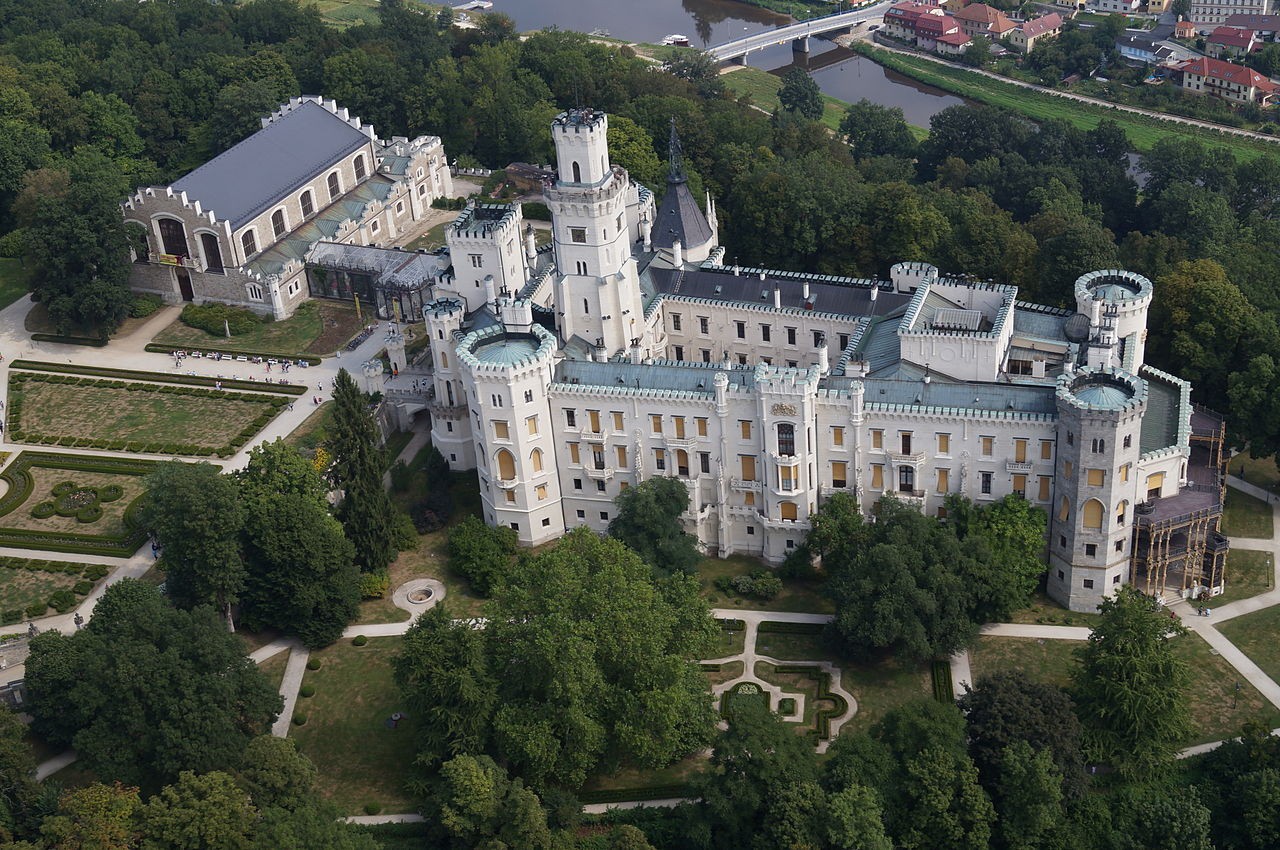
<point>335,188</point>
<point>254,291</point>
<point>682,463</point>
<point>1122,511</point>
<point>173,237</point>
<point>249,243</point>
<point>212,254</point>
<point>360,167</point>
<point>1064,509</point>
<point>1093,513</point>
<point>577,173</point>
<point>789,511</point>
<point>277,223</point>
<point>535,459</point>
<point>308,204</point>
<point>786,439</point>
<point>506,465</point>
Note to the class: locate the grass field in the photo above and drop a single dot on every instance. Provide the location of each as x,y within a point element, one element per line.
<point>317,327</point>
<point>1261,471</point>
<point>341,14</point>
<point>1045,611</point>
<point>1045,660</point>
<point>1255,635</point>
<point>360,760</point>
<point>98,411</point>
<point>882,686</point>
<point>1246,516</point>
<point>20,588</point>
<point>794,647</point>
<point>795,595</point>
<point>1248,574</point>
<point>1143,131</point>
<point>13,281</point>
<point>273,668</point>
<point>1212,693</point>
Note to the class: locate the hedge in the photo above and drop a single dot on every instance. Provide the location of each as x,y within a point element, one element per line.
<point>942,688</point>
<point>157,348</point>
<point>779,627</point>
<point>648,792</point>
<point>733,625</point>
<point>157,377</point>
<point>70,340</point>
<point>821,716</point>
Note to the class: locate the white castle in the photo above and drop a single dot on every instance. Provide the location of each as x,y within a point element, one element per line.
<point>630,351</point>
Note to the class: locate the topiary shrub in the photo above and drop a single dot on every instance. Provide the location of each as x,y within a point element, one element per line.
<point>11,616</point>
<point>217,319</point>
<point>144,305</point>
<point>313,663</point>
<point>110,493</point>
<point>35,609</point>
<point>62,488</point>
<point>299,718</point>
<point>95,572</point>
<point>62,600</point>
<point>43,510</point>
<point>92,513</point>
<point>82,588</point>
<point>372,808</point>
<point>359,640</point>
<point>307,691</point>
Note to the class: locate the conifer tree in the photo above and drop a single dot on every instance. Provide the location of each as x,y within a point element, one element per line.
<point>365,510</point>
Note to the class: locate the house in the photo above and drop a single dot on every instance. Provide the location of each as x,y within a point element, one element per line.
<point>1229,82</point>
<point>766,392</point>
<point>1214,12</point>
<point>1154,7</point>
<point>930,28</point>
<point>1266,26</point>
<point>952,44</point>
<point>1119,7</point>
<point>1225,42</point>
<point>1143,50</point>
<point>900,19</point>
<point>1025,35</point>
<point>1184,29</point>
<point>237,229</point>
<point>980,19</point>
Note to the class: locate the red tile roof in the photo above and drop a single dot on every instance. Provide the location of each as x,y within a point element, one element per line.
<point>1041,25</point>
<point>1232,37</point>
<point>935,25</point>
<point>956,39</point>
<point>1270,23</point>
<point>1219,70</point>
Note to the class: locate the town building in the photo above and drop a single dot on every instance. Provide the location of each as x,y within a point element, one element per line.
<point>1144,50</point>
<point>1184,29</point>
<point>1119,7</point>
<point>1215,12</point>
<point>901,19</point>
<point>238,228</point>
<point>1266,26</point>
<point>1227,81</point>
<point>1226,42</point>
<point>930,29</point>
<point>980,19</point>
<point>632,351</point>
<point>1027,34</point>
<point>952,44</point>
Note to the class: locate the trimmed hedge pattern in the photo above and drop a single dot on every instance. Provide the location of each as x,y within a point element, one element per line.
<point>778,627</point>
<point>157,377</point>
<point>821,716</point>
<point>649,792</point>
<point>733,625</point>
<point>91,573</point>
<point>157,348</point>
<point>18,434</point>
<point>70,340</point>
<point>942,688</point>
<point>21,484</point>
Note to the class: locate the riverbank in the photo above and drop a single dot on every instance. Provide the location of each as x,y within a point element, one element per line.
<point>798,9</point>
<point>762,88</point>
<point>1040,104</point>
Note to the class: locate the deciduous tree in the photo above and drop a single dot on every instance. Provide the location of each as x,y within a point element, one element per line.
<point>800,93</point>
<point>648,522</point>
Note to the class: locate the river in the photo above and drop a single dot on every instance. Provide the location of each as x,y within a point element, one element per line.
<point>838,72</point>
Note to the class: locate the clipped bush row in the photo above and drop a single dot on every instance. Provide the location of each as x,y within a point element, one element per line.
<point>218,319</point>
<point>156,377</point>
<point>35,565</point>
<point>733,625</point>
<point>70,340</point>
<point>17,380</point>
<point>157,348</point>
<point>821,716</point>
<point>647,792</point>
<point>943,691</point>
<point>779,627</point>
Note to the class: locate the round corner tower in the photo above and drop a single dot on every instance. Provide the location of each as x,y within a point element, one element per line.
<point>1100,413</point>
<point>450,425</point>
<point>1116,302</point>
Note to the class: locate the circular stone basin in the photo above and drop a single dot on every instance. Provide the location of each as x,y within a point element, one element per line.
<point>421,595</point>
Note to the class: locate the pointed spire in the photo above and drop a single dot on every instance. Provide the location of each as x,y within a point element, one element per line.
<point>675,157</point>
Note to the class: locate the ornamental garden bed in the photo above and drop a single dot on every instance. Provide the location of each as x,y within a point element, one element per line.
<point>68,411</point>
<point>30,586</point>
<point>157,377</point>
<point>73,503</point>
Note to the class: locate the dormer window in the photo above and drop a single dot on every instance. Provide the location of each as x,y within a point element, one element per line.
<point>359,167</point>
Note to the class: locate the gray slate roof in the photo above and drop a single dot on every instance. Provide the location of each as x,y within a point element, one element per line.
<point>1160,422</point>
<point>619,375</point>
<point>828,294</point>
<point>679,217</point>
<point>242,182</point>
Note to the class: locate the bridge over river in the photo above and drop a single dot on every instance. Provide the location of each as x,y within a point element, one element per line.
<point>798,33</point>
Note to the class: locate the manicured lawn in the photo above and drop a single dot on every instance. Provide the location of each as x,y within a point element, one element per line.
<point>728,671</point>
<point>1248,574</point>
<point>793,647</point>
<point>1245,516</point>
<point>1044,610</point>
<point>728,643</point>
<point>395,445</point>
<point>1046,660</point>
<point>316,327</point>
<point>13,281</point>
<point>881,686</point>
<point>359,759</point>
<point>762,88</point>
<point>1212,693</point>
<point>1143,131</point>
<point>20,588</point>
<point>97,410</point>
<point>432,239</point>
<point>45,479</point>
<point>795,595</point>
<point>313,431</point>
<point>1261,471</point>
<point>273,668</point>
<point>1256,636</point>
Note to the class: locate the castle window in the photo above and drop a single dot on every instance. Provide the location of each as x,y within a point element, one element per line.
<point>1020,485</point>
<point>581,268</point>
<point>1121,510</point>
<point>621,453</point>
<point>675,321</point>
<point>786,439</point>
<point>906,479</point>
<point>788,511</point>
<point>679,423</point>
<point>500,429</point>
<point>1093,513</point>
<point>905,438</point>
<point>764,332</point>
<point>1019,367</point>
<point>399,207</point>
<point>1119,548</point>
<point>541,492</point>
<point>506,465</point>
<point>1088,583</point>
<point>1128,441</point>
<point>944,480</point>
<point>682,463</point>
<point>374,227</point>
<point>704,462</point>
<point>988,446</point>
<point>578,234</point>
<point>586,305</point>
<point>745,426</point>
<point>577,172</point>
<point>679,351</point>
<point>1044,489</point>
<point>839,473</point>
<point>877,476</point>
<point>655,420</point>
<point>944,444</point>
<point>1071,439</point>
<point>702,426</point>
<point>277,224</point>
<point>617,421</point>
<point>1096,477</point>
<point>535,460</point>
<point>704,325</point>
<point>335,186</point>
<point>1020,450</point>
<point>837,436</point>
<point>571,418</point>
<point>531,424</point>
<point>173,237</point>
<point>593,417</point>
<point>877,438</point>
<point>212,254</point>
<point>1046,449</point>
<point>742,329</point>
<point>748,463</point>
<point>308,205</point>
<point>359,165</point>
<point>575,459</point>
<point>986,483</point>
<point>706,355</point>
<point>660,458</point>
<point>817,339</point>
<point>1099,445</point>
<point>791,336</point>
<point>528,394</point>
<point>254,291</point>
<point>844,341</point>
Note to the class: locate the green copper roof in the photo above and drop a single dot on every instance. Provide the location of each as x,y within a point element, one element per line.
<point>1103,395</point>
<point>507,351</point>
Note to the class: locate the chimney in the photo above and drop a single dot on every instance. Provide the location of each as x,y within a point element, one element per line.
<point>777,298</point>
<point>490,289</point>
<point>875,293</point>
<point>677,254</point>
<point>530,245</point>
<point>824,357</point>
<point>806,290</point>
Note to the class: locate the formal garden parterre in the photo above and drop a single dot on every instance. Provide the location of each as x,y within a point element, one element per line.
<point>81,412</point>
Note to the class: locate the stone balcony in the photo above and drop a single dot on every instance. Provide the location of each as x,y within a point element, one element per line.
<point>740,486</point>
<point>900,459</point>
<point>1019,466</point>
<point>595,474</point>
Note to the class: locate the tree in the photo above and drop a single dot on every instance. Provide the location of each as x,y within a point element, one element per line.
<point>1013,530</point>
<point>1007,707</point>
<point>96,817</point>
<point>874,130</point>
<point>800,93</point>
<point>358,464</point>
<point>1028,799</point>
<point>146,691</point>
<point>199,812</point>
<point>481,553</point>
<point>942,806</point>
<point>18,788</point>
<point>854,820</point>
<point>648,522</point>
<point>276,775</point>
<point>631,146</point>
<point>979,52</point>
<point>1130,686</point>
<point>477,805</point>
<point>196,515</point>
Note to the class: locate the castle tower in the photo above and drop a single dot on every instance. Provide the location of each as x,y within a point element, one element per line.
<point>1100,413</point>
<point>787,413</point>
<point>450,423</point>
<point>1116,303</point>
<point>507,373</point>
<point>485,241</point>
<point>598,290</point>
<point>680,230</point>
